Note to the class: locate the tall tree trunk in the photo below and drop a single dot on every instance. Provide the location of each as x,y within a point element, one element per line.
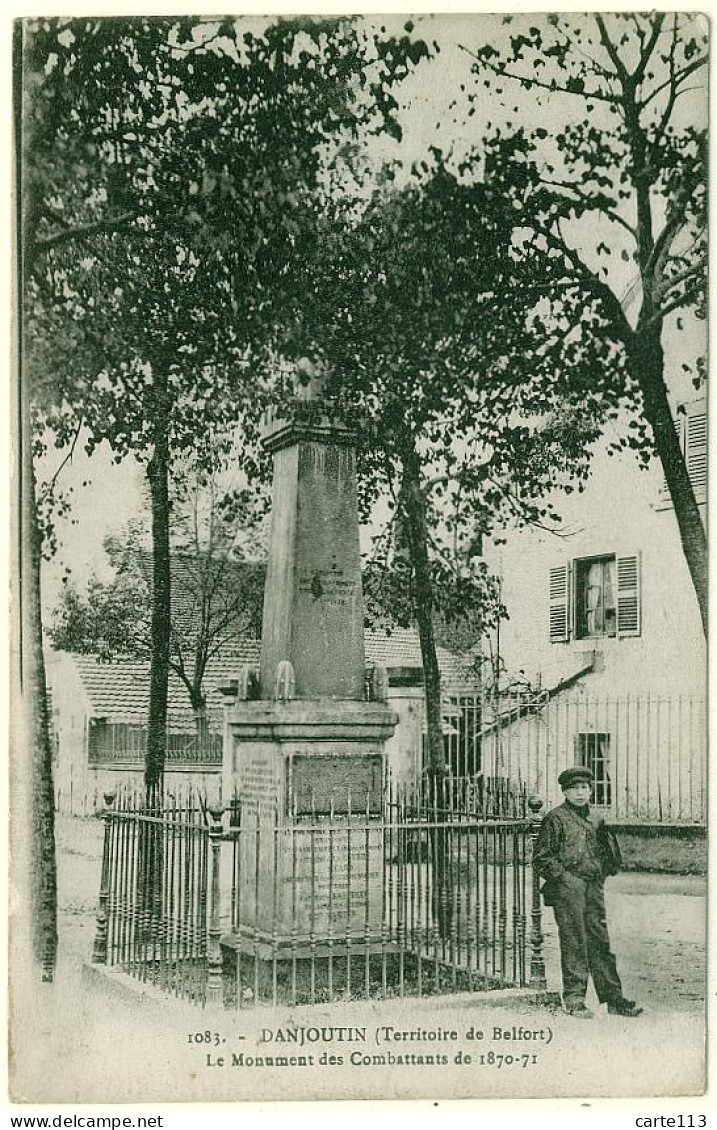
<point>648,359</point>
<point>199,708</point>
<point>32,763</point>
<point>414,503</point>
<point>32,810</point>
<point>649,366</point>
<point>417,527</point>
<point>158,476</point>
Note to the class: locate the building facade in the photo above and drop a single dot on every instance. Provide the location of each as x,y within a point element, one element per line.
<point>605,627</point>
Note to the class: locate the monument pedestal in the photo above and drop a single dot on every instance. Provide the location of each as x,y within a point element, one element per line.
<point>311,778</point>
<point>306,759</point>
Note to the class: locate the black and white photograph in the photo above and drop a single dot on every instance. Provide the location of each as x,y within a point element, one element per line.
<point>359,576</point>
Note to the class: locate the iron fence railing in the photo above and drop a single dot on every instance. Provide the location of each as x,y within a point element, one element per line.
<point>189,742</point>
<point>648,752</point>
<point>152,919</point>
<point>250,905</point>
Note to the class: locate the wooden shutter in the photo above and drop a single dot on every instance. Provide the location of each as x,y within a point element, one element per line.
<point>696,449</point>
<point>559,603</point>
<point>629,611</point>
<point>691,428</point>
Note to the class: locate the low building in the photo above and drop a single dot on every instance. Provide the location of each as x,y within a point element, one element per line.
<point>99,717</point>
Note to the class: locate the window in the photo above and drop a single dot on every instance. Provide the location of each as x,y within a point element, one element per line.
<point>593,751</point>
<point>595,598</point>
<point>595,608</point>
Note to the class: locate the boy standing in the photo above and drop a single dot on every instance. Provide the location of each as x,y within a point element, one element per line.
<point>568,857</point>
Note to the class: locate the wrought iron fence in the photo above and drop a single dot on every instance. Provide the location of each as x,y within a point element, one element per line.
<point>648,752</point>
<point>152,917</point>
<point>250,904</point>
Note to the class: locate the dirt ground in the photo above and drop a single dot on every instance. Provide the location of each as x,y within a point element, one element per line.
<point>76,1044</point>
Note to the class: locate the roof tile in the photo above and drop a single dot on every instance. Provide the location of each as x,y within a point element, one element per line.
<point>119,689</point>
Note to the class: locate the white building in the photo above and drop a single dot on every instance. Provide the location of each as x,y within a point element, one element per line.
<point>604,620</point>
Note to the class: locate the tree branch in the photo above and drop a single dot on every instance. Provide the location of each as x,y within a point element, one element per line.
<point>676,280</point>
<point>647,50</point>
<point>69,234</point>
<point>676,216</point>
<point>517,508</point>
<point>672,97</point>
<point>620,68</point>
<point>680,77</point>
<point>551,87</point>
<point>591,281</point>
<point>661,314</point>
<point>609,212</point>
<point>68,457</point>
<point>54,214</point>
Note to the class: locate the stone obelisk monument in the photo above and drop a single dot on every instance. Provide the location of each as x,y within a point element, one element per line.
<point>304,742</point>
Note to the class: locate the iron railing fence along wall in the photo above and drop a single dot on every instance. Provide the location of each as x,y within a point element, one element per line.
<point>113,756</point>
<point>648,752</point>
<point>189,742</point>
<point>250,905</point>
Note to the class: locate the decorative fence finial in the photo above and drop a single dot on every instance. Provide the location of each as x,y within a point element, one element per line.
<point>537,961</point>
<point>214,949</point>
<point>99,948</point>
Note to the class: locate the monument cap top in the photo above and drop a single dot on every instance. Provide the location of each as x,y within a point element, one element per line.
<point>305,420</point>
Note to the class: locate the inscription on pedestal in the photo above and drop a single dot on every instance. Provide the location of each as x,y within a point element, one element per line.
<point>338,784</point>
<point>259,782</point>
<point>334,887</point>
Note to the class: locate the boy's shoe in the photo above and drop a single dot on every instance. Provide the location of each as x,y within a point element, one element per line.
<point>622,1007</point>
<point>578,1010</point>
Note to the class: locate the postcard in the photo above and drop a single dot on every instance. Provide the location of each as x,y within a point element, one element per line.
<point>359,690</point>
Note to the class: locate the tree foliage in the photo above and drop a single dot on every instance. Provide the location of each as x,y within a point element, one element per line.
<point>616,193</point>
<point>201,152</point>
<point>217,593</point>
<point>470,373</point>
<point>166,144</point>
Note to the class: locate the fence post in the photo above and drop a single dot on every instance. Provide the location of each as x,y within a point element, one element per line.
<point>99,948</point>
<point>214,950</point>
<point>537,961</point>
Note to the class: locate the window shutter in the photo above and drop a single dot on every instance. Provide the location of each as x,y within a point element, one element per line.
<point>696,449</point>
<point>629,611</point>
<point>559,603</point>
<point>691,428</point>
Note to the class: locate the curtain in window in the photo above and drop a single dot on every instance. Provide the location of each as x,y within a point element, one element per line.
<point>599,598</point>
<point>594,599</point>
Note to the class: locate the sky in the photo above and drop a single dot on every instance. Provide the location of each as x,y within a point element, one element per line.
<point>114,493</point>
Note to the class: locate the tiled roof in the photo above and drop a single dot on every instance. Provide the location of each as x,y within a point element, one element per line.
<point>401,647</point>
<point>234,589</point>
<point>118,689</point>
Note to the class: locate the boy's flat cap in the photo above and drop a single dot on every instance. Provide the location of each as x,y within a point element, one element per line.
<point>578,775</point>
